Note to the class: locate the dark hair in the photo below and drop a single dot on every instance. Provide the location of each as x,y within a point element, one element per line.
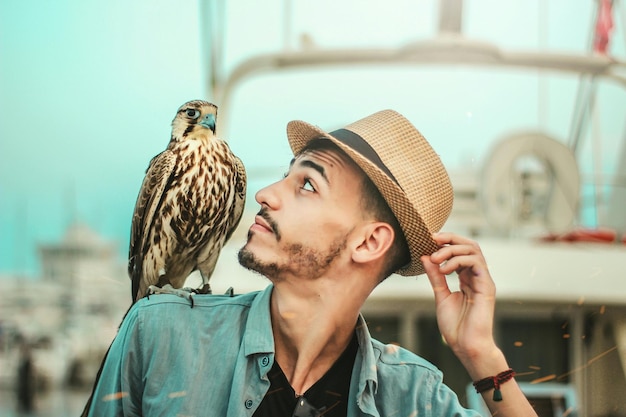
<point>374,203</point>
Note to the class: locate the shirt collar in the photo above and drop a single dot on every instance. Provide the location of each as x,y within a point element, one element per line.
<point>365,373</point>
<point>258,336</point>
<point>258,339</point>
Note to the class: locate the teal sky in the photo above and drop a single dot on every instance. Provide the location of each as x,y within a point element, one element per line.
<point>87,94</point>
<point>88,90</point>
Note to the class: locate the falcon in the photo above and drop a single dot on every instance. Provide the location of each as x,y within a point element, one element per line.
<point>190,202</point>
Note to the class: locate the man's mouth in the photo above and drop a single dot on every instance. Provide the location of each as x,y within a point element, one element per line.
<point>264,223</point>
<point>260,221</point>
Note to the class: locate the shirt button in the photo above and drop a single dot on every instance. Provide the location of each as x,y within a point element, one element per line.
<point>249,404</point>
<point>265,361</point>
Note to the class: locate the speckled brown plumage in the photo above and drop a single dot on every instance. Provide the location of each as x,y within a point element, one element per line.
<point>189,204</point>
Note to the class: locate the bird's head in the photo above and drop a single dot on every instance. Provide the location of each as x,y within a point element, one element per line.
<point>196,119</point>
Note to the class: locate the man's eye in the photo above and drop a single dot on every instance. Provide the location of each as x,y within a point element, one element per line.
<point>307,186</point>
<point>192,113</point>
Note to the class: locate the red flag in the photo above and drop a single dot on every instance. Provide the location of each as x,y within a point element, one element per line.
<point>604,24</point>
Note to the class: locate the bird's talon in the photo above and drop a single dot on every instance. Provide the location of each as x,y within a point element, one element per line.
<point>168,289</point>
<point>206,289</point>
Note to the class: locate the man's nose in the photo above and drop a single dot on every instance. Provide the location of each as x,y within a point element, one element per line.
<point>268,196</point>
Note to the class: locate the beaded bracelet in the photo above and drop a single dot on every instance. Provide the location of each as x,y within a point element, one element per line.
<point>494,382</point>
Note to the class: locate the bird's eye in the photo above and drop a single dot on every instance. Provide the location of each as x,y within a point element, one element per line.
<point>192,113</point>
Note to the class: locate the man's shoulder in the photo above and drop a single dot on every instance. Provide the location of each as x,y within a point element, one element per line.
<point>159,309</point>
<point>397,356</point>
<point>200,301</point>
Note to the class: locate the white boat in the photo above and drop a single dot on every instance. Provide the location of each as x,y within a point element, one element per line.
<point>539,193</point>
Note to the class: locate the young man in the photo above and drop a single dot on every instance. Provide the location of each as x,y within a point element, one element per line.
<point>356,205</point>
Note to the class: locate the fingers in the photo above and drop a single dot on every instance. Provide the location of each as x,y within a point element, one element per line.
<point>446,238</point>
<point>463,256</point>
<point>437,279</point>
<point>458,254</point>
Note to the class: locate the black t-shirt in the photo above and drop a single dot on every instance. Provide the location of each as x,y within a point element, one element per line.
<point>327,397</point>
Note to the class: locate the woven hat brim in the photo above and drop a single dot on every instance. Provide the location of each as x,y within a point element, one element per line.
<point>418,236</point>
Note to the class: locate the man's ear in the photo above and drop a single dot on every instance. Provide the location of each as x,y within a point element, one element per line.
<point>375,239</point>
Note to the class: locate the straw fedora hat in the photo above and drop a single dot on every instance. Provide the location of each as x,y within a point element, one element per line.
<point>403,166</point>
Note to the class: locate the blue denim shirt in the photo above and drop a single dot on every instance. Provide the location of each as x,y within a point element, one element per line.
<point>212,360</point>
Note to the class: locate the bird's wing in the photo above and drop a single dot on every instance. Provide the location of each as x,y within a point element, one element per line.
<point>234,217</point>
<point>240,197</point>
<point>155,183</point>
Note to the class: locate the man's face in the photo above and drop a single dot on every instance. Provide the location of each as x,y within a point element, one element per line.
<point>305,218</point>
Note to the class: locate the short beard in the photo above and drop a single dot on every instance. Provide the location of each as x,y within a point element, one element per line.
<point>302,261</point>
<point>252,263</point>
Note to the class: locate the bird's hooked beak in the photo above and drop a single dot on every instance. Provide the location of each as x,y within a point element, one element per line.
<point>208,121</point>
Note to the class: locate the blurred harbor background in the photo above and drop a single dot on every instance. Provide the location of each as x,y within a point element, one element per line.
<point>524,100</point>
